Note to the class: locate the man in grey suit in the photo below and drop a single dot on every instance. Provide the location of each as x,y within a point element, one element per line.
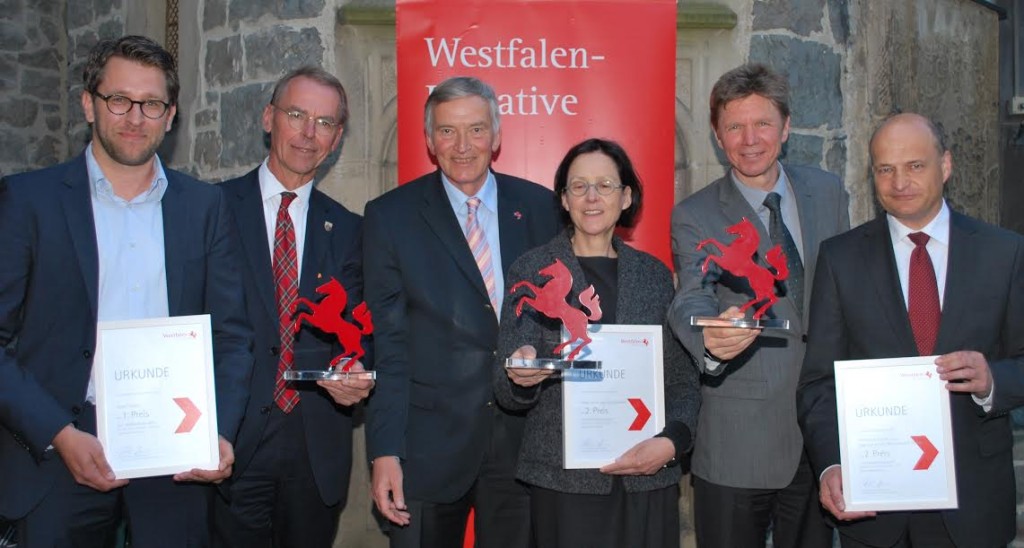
<point>749,468</point>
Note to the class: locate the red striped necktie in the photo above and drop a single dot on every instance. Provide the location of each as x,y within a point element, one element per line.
<point>286,282</point>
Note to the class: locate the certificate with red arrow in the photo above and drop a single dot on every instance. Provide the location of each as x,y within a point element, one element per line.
<point>895,435</point>
<point>609,410</point>
<point>156,411</point>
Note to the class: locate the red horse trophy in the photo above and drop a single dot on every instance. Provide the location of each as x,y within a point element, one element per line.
<point>326,317</point>
<point>550,300</point>
<point>737,259</point>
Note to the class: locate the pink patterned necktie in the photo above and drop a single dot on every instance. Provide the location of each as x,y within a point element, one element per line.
<point>923,299</point>
<point>481,251</point>
<point>286,283</point>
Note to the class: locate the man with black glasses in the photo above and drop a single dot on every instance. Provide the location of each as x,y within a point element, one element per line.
<point>110,235</point>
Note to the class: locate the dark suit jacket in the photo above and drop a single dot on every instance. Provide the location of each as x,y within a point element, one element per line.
<point>436,331</point>
<point>48,298</point>
<point>747,409</point>
<point>336,252</point>
<point>858,312</point>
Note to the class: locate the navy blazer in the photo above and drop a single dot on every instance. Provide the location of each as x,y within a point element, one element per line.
<point>48,302</point>
<point>858,312</point>
<point>333,248</point>
<point>436,331</point>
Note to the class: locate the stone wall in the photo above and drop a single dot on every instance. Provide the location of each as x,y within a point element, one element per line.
<point>938,58</point>
<point>246,46</point>
<point>43,46</point>
<point>33,52</point>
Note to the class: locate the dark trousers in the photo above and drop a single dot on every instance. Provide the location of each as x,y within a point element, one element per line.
<point>733,517</point>
<point>501,505</point>
<point>648,519</point>
<point>159,512</point>
<point>275,501</point>
<point>924,530</point>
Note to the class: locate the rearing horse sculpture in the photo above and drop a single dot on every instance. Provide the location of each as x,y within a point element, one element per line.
<point>737,258</point>
<point>549,300</point>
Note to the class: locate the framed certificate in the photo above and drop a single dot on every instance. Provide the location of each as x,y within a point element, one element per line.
<point>895,435</point>
<point>156,409</point>
<point>609,410</point>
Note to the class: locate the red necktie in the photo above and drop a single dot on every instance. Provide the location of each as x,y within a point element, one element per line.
<point>923,300</point>
<point>286,282</point>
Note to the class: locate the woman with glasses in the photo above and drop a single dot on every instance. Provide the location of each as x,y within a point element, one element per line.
<point>635,500</point>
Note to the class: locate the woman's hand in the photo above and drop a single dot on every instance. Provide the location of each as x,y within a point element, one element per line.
<point>643,459</point>
<point>527,377</point>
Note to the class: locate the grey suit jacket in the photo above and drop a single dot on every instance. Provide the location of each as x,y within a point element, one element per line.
<point>747,434</point>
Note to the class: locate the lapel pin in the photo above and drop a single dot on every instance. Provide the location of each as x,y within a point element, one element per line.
<point>319,275</point>
<point>328,226</point>
<point>517,215</point>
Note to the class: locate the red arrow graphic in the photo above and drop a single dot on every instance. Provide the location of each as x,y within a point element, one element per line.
<point>642,414</point>
<point>928,452</point>
<point>192,414</point>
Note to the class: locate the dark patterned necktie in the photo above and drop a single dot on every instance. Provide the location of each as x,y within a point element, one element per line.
<point>780,235</point>
<point>286,283</point>
<point>923,296</point>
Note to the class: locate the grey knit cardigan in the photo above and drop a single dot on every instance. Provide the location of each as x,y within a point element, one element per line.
<point>645,291</point>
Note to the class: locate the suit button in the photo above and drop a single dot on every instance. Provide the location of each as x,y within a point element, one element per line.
<point>265,409</point>
<point>803,338</point>
<point>76,410</point>
<point>87,354</point>
<point>488,306</point>
<point>274,350</point>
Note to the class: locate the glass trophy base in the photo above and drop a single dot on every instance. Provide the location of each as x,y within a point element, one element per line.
<point>741,323</point>
<point>328,375</point>
<point>550,363</point>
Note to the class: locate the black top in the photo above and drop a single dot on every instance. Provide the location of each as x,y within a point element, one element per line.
<point>603,273</point>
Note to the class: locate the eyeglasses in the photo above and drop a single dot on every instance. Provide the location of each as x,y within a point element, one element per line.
<point>121,105</point>
<point>298,120</point>
<point>604,188</point>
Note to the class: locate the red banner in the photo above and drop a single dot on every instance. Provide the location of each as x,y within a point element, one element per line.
<point>564,71</point>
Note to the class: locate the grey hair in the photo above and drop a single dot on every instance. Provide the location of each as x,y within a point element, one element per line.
<point>319,76</point>
<point>457,88</point>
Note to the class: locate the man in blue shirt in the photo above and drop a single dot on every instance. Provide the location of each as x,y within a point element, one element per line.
<point>438,443</point>
<point>110,235</point>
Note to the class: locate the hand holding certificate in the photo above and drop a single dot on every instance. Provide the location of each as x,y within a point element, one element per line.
<point>607,412</point>
<point>156,408</point>
<point>895,435</point>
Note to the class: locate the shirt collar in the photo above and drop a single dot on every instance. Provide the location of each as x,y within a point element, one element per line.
<point>936,229</point>
<point>270,187</point>
<point>756,196</point>
<point>100,187</point>
<point>488,193</point>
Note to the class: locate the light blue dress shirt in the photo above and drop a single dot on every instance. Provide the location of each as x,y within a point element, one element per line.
<point>130,246</point>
